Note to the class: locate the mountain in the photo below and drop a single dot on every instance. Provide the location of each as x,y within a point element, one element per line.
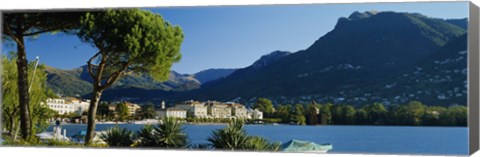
<point>77,82</point>
<point>368,57</point>
<point>208,75</point>
<point>362,50</point>
<point>67,82</point>
<point>463,23</point>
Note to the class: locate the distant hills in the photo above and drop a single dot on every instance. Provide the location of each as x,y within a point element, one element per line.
<point>386,57</point>
<point>77,82</point>
<point>208,75</point>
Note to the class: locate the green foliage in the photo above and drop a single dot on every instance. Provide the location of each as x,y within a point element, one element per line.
<point>170,134</point>
<point>375,113</point>
<point>147,136</point>
<point>138,39</point>
<point>413,113</point>
<point>265,105</point>
<point>235,137</point>
<point>258,143</point>
<point>297,115</point>
<point>148,111</point>
<point>103,110</point>
<point>283,112</point>
<point>38,95</point>
<point>312,114</point>
<point>118,137</point>
<point>343,114</point>
<point>122,111</point>
<point>129,41</point>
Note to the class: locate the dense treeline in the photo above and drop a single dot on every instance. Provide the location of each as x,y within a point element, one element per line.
<point>412,114</point>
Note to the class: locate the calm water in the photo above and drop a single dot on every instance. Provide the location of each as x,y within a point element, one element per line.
<point>345,139</point>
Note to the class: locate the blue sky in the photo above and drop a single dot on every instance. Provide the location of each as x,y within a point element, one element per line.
<point>236,36</point>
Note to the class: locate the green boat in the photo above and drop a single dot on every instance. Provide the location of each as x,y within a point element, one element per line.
<point>305,147</point>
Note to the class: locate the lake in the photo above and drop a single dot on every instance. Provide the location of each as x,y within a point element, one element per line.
<point>345,139</point>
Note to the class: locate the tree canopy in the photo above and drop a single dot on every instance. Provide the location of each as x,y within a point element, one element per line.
<point>129,41</point>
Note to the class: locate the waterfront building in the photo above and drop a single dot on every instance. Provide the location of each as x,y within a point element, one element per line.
<point>132,108</point>
<point>238,110</point>
<point>172,112</point>
<point>254,114</point>
<point>194,108</point>
<point>80,106</point>
<point>60,106</point>
<point>218,110</point>
<point>68,105</point>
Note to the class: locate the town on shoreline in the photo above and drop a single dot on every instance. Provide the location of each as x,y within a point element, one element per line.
<point>73,110</point>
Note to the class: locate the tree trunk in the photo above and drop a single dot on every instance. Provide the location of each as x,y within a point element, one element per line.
<point>11,130</point>
<point>96,94</point>
<point>22,67</point>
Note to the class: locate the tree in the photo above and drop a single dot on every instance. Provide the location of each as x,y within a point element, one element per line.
<point>17,27</point>
<point>103,109</point>
<point>10,106</point>
<point>454,116</point>
<point>282,112</point>
<point>376,113</point>
<point>411,114</point>
<point>432,115</point>
<point>297,116</point>
<point>265,105</point>
<point>129,41</point>
<point>312,114</point>
<point>343,114</point>
<point>122,111</point>
<point>326,113</point>
<point>148,111</point>
<point>361,117</point>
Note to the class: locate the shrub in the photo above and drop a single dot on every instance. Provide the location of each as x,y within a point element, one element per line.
<point>117,137</point>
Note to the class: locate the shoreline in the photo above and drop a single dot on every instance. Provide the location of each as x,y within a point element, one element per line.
<point>279,124</point>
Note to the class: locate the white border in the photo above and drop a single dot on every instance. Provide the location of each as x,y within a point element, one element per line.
<point>79,4</point>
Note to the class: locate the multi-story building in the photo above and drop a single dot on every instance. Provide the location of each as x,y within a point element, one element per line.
<point>238,110</point>
<point>172,112</point>
<point>193,108</point>
<point>132,108</point>
<point>214,109</point>
<point>80,106</point>
<point>218,110</point>
<point>60,106</point>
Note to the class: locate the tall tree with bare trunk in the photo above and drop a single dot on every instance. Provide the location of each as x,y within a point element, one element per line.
<point>17,27</point>
<point>128,41</point>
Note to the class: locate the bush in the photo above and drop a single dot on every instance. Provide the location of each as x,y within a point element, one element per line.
<point>168,134</point>
<point>234,137</point>
<point>117,137</point>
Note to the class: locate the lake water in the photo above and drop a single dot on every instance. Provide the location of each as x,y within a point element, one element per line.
<point>345,139</point>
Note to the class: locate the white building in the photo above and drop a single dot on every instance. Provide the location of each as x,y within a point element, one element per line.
<point>79,105</point>
<point>60,106</point>
<point>194,108</point>
<point>218,110</point>
<point>172,112</point>
<point>238,110</point>
<point>68,105</point>
<point>254,114</point>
